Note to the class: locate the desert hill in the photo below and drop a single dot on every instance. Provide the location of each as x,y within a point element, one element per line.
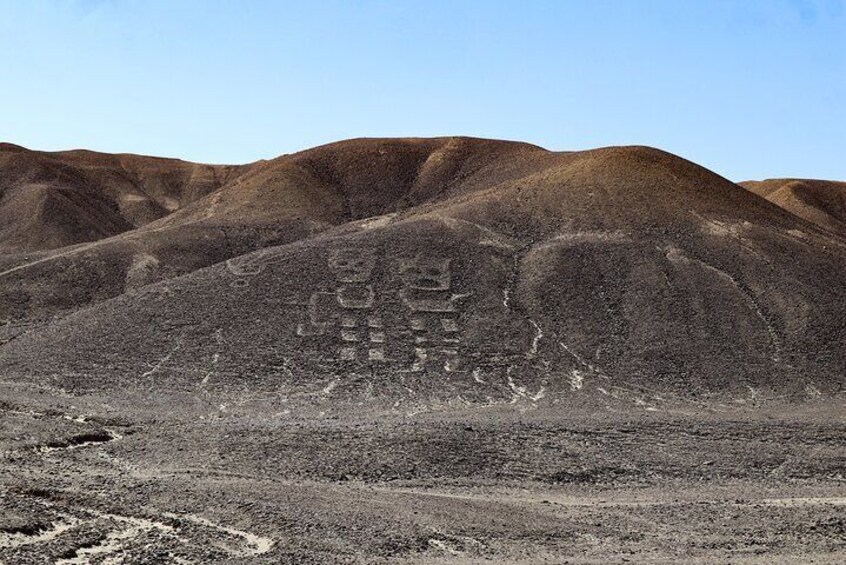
<point>51,200</point>
<point>408,272</point>
<point>273,202</point>
<point>818,201</point>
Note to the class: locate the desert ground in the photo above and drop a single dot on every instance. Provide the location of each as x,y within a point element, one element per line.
<point>97,480</point>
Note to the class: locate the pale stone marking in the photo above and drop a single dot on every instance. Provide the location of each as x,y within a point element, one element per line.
<point>449,325</point>
<point>349,335</point>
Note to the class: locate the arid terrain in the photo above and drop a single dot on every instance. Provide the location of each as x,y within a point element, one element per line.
<point>448,350</point>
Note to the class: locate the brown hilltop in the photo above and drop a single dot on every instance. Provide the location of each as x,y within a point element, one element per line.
<point>360,178</point>
<point>819,201</point>
<point>417,271</point>
<point>51,200</point>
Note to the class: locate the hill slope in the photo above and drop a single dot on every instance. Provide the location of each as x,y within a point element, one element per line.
<point>455,270</point>
<point>818,201</point>
<point>50,200</point>
<point>274,202</point>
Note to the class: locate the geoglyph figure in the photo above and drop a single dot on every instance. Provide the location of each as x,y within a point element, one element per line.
<point>349,313</point>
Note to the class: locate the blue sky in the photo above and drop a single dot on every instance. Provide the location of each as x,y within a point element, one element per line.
<point>748,88</point>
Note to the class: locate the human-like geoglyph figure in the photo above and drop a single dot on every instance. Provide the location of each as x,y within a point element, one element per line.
<point>349,308</point>
<point>349,312</point>
<point>433,312</point>
<point>352,268</point>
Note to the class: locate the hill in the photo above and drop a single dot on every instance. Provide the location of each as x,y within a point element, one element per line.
<point>274,202</point>
<point>424,272</point>
<point>818,201</point>
<point>51,200</point>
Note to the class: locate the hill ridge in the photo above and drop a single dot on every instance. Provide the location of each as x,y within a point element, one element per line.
<point>419,271</point>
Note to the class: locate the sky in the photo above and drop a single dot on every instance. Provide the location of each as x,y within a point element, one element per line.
<point>748,88</point>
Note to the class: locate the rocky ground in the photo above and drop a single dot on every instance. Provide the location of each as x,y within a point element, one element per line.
<point>98,480</point>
